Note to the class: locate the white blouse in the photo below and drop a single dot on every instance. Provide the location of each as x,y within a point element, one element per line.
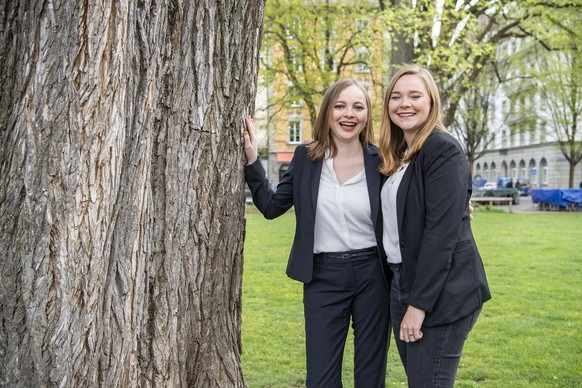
<point>390,235</point>
<point>343,219</point>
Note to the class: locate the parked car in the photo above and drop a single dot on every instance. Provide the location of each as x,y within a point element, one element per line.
<point>489,186</point>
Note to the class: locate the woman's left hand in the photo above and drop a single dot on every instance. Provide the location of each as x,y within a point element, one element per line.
<point>411,324</point>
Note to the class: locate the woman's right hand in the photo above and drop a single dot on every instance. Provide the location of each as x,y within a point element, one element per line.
<point>251,144</point>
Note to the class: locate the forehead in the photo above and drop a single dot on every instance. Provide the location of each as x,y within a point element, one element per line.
<point>352,94</point>
<point>410,82</point>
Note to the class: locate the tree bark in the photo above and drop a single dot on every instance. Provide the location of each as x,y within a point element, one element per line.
<point>402,51</point>
<point>121,190</point>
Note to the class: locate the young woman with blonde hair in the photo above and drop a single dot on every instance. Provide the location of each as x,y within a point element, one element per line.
<point>438,283</point>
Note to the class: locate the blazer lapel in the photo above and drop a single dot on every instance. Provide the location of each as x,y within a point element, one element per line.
<point>402,192</point>
<point>314,181</point>
<point>373,182</point>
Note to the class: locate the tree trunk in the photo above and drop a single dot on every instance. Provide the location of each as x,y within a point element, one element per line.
<point>121,190</point>
<point>402,52</point>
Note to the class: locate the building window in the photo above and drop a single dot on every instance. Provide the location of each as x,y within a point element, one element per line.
<point>533,172</point>
<point>294,127</point>
<point>362,60</point>
<point>361,24</point>
<point>293,99</point>
<point>544,171</point>
<point>293,30</point>
<point>295,60</point>
<point>493,168</point>
<point>543,131</point>
<point>533,135</point>
<point>367,86</point>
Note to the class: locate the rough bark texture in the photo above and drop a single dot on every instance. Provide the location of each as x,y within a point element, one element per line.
<point>121,190</point>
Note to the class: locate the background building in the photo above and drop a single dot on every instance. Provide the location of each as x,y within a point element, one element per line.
<point>306,49</point>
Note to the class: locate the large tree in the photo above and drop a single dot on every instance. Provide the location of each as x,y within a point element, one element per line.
<point>121,190</point>
<point>458,39</point>
<point>310,44</point>
<point>560,75</point>
<point>473,123</point>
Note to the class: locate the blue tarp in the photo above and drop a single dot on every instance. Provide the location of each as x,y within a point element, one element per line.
<point>558,197</point>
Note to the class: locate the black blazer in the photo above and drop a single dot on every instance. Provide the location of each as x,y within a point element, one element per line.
<point>442,267</point>
<point>299,187</point>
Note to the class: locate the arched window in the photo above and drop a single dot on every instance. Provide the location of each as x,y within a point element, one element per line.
<point>513,169</point>
<point>534,176</point>
<point>486,171</point>
<point>504,168</point>
<point>493,172</point>
<point>544,171</point>
<point>522,170</point>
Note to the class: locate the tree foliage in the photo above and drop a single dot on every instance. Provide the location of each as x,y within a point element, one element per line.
<point>309,45</point>
<point>559,72</point>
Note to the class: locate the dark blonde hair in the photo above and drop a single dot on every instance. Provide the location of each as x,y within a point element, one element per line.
<point>322,140</point>
<point>393,147</point>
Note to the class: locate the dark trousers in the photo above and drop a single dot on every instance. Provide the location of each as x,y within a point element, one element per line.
<point>344,289</point>
<point>433,360</point>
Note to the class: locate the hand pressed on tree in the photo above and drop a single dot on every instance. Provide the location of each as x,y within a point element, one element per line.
<point>251,144</point>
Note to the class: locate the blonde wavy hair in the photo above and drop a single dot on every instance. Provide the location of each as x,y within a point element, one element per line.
<point>322,140</point>
<point>393,148</point>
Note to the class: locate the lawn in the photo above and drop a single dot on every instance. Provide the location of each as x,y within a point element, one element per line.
<point>529,334</point>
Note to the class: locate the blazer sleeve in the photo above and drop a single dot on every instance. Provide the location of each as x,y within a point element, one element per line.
<point>270,203</point>
<point>445,176</point>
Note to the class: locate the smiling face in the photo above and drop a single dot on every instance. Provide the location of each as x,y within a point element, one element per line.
<point>409,105</point>
<point>348,115</point>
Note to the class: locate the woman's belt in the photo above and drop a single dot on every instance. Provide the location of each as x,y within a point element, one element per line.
<point>348,255</point>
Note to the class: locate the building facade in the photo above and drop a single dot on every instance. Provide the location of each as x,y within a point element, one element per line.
<point>527,152</point>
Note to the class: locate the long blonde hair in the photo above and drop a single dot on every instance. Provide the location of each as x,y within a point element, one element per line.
<point>322,140</point>
<point>393,147</point>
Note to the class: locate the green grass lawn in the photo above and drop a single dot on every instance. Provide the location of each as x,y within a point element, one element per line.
<point>528,335</point>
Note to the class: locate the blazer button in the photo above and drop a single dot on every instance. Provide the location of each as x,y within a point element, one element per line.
<point>402,244</point>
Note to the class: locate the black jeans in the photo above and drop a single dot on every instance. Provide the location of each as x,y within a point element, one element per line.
<point>433,360</point>
<point>346,289</point>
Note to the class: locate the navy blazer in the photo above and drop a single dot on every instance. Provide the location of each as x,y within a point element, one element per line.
<point>441,265</point>
<point>299,187</point>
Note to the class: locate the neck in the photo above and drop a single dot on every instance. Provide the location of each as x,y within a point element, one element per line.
<point>408,137</point>
<point>348,149</point>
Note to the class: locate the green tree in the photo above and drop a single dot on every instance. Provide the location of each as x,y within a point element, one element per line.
<point>309,45</point>
<point>457,40</point>
<point>472,123</point>
<point>559,71</point>
<point>465,44</point>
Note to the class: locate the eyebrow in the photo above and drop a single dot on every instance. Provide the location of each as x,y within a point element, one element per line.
<point>411,91</point>
<point>355,102</point>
